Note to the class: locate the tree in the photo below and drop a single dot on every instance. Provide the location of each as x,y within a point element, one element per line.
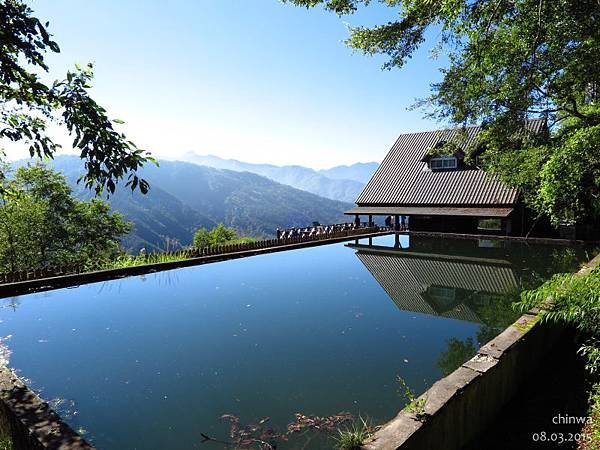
<point>201,238</point>
<point>42,225</point>
<point>509,61</point>
<point>217,236</point>
<point>27,105</point>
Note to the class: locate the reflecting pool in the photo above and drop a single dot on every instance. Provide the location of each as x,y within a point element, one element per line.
<point>154,361</point>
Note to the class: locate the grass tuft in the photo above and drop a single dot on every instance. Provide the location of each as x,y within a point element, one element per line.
<point>154,258</point>
<point>355,436</point>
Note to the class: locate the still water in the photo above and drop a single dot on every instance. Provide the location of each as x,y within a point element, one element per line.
<point>151,362</point>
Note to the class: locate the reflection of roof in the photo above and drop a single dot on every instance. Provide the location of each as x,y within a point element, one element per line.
<point>430,211</point>
<point>407,277</point>
<point>403,177</point>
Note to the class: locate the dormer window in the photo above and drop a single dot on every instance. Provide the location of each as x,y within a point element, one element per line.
<point>443,162</point>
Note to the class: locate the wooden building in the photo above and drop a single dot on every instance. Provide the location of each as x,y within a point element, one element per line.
<point>440,191</point>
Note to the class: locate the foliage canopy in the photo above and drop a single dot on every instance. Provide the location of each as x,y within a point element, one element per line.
<point>42,225</point>
<point>575,299</point>
<point>509,61</point>
<point>217,236</point>
<point>28,105</point>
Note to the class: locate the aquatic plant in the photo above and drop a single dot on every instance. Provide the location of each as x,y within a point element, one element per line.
<point>262,436</point>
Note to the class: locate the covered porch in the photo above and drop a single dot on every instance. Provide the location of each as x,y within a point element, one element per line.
<point>492,220</point>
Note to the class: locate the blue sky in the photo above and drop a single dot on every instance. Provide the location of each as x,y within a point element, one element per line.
<point>255,80</point>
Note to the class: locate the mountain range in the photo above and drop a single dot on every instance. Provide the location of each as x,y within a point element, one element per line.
<point>342,183</point>
<point>185,196</point>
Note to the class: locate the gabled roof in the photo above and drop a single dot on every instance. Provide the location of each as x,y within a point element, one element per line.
<point>404,179</point>
<point>406,277</point>
<point>431,211</point>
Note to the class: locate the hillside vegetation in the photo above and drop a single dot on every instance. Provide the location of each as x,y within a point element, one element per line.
<point>185,197</point>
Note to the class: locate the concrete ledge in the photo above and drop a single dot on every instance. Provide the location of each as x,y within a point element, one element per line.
<point>458,407</point>
<point>30,422</point>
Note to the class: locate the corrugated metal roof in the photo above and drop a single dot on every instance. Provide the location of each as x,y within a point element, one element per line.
<point>406,279</point>
<point>430,211</point>
<point>403,179</point>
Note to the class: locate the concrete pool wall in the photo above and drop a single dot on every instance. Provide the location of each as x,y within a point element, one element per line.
<point>29,422</point>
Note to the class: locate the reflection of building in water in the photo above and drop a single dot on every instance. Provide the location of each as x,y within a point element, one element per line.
<point>456,287</point>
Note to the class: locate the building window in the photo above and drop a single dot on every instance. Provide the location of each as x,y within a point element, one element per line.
<point>443,162</point>
<point>489,224</point>
<point>489,243</point>
<point>444,294</point>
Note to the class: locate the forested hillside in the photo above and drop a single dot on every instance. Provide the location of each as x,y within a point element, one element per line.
<point>184,197</point>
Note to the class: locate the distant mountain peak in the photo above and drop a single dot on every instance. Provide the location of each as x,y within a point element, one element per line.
<point>342,183</point>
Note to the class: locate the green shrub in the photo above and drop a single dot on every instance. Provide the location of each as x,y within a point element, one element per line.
<point>591,432</point>
<point>217,236</point>
<point>575,299</point>
<point>414,404</point>
<point>572,299</point>
<point>5,443</point>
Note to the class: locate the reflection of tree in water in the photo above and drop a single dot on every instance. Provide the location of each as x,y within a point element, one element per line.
<point>538,266</point>
<point>495,312</point>
<point>457,353</point>
<point>11,302</point>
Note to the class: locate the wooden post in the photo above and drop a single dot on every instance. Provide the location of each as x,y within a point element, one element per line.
<point>397,240</point>
<point>396,222</point>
